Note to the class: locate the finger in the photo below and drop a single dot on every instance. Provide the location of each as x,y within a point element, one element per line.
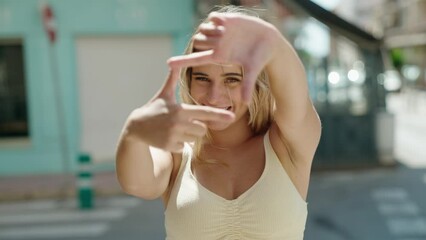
<point>191,60</point>
<point>202,42</point>
<point>169,86</point>
<point>211,29</point>
<point>205,113</point>
<point>195,128</point>
<point>188,138</point>
<point>216,18</point>
<point>177,147</point>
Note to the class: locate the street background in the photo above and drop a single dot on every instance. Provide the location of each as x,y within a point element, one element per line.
<point>377,203</point>
<point>72,71</point>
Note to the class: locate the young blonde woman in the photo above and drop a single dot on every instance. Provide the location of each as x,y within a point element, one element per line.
<point>233,161</point>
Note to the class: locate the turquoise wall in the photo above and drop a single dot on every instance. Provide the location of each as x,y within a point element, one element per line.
<point>21,19</point>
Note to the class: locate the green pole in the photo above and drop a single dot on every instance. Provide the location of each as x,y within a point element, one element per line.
<point>84,182</point>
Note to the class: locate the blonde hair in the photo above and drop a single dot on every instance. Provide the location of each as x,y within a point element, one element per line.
<point>260,110</point>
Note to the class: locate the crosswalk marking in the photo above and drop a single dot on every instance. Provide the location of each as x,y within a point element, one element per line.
<point>54,231</point>
<point>403,216</point>
<point>25,206</point>
<point>401,208</point>
<point>386,194</point>
<point>57,219</point>
<point>61,215</point>
<point>407,226</point>
<point>44,205</point>
<point>123,202</point>
<point>410,239</point>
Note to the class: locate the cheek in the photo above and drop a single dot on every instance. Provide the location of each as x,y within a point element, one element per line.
<point>196,92</point>
<point>243,109</point>
<point>236,96</point>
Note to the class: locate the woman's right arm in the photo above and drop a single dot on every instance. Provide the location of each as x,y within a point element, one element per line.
<point>152,133</point>
<point>142,170</point>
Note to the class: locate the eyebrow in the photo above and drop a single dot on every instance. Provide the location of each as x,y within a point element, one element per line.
<point>223,75</point>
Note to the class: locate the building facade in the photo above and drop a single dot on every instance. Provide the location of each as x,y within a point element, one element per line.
<point>61,98</point>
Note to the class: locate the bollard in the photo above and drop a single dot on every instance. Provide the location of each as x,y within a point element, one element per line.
<point>84,182</point>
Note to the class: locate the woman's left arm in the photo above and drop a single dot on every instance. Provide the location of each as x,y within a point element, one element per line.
<point>295,117</point>
<point>256,44</point>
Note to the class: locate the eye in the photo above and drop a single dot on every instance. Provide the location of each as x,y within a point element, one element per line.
<point>231,80</point>
<point>202,79</point>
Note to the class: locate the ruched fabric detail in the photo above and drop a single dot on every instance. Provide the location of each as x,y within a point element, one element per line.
<point>271,209</point>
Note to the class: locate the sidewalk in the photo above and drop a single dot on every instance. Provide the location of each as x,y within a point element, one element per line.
<point>409,109</point>
<point>54,186</point>
<point>379,204</point>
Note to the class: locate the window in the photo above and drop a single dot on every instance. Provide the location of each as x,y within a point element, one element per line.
<point>13,96</point>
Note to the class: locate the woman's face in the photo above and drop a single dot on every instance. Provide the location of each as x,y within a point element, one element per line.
<point>219,86</point>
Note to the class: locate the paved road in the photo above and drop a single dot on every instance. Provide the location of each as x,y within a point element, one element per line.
<point>374,204</point>
<point>113,218</point>
<point>377,204</point>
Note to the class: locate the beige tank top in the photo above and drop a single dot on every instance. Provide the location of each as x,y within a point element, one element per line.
<point>271,209</point>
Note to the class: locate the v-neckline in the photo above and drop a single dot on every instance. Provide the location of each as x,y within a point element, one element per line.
<point>241,196</point>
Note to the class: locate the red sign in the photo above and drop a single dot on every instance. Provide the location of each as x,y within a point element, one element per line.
<point>49,22</point>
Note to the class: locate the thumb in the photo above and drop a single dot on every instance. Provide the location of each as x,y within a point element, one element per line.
<point>169,88</point>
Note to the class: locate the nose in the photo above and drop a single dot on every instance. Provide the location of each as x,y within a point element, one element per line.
<point>216,94</point>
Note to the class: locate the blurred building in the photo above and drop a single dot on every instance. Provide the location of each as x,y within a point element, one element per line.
<point>406,35</point>
<point>345,67</point>
<point>402,25</point>
<point>59,98</point>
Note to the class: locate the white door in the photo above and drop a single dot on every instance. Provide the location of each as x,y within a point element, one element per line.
<point>116,75</point>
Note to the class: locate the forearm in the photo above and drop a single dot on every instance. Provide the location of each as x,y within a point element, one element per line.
<point>137,172</point>
<point>295,115</point>
<point>287,78</point>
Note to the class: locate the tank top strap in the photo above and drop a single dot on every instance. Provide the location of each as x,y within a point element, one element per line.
<point>186,158</point>
<point>269,151</point>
